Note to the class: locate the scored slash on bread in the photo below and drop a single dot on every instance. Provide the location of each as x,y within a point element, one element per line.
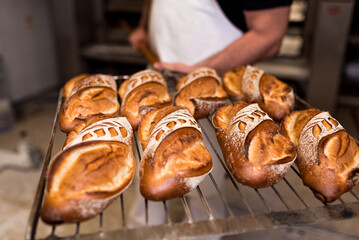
<point>201,92</point>
<point>90,172</point>
<point>86,96</point>
<point>108,129</point>
<point>141,93</point>
<point>175,159</point>
<point>79,127</point>
<point>328,158</point>
<point>254,151</point>
<point>250,84</point>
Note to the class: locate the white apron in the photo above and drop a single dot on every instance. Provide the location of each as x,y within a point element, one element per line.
<point>189,31</point>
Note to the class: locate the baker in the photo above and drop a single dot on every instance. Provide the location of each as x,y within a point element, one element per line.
<point>188,34</point>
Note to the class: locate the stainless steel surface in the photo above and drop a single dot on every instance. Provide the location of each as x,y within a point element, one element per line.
<point>319,69</point>
<point>284,204</point>
<point>67,37</point>
<point>113,53</point>
<point>27,41</point>
<point>329,45</point>
<point>296,69</point>
<point>349,100</point>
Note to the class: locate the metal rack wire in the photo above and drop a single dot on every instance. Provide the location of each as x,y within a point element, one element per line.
<point>253,210</point>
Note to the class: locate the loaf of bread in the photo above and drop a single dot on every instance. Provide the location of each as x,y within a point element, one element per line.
<point>201,92</point>
<point>328,157</point>
<point>90,172</point>
<point>87,96</point>
<point>175,159</point>
<point>142,92</point>
<point>254,151</point>
<point>252,85</point>
<point>83,124</point>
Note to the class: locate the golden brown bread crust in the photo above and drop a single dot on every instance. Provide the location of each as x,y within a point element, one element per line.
<point>255,152</point>
<point>175,164</point>
<point>201,92</point>
<point>328,158</point>
<point>86,188</point>
<point>143,98</point>
<point>94,169</point>
<point>90,95</point>
<point>232,83</point>
<point>293,124</point>
<point>66,91</point>
<point>275,97</point>
<point>150,120</point>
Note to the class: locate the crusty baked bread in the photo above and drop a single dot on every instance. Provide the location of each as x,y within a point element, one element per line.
<point>83,124</point>
<point>201,92</point>
<point>252,85</point>
<point>175,159</point>
<point>86,96</point>
<point>70,84</point>
<point>328,158</point>
<point>142,92</point>
<point>254,151</point>
<point>90,172</point>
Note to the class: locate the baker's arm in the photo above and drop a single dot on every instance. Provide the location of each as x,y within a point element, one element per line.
<point>139,34</point>
<point>266,29</point>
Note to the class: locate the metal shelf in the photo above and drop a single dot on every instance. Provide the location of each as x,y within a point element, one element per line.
<point>287,203</point>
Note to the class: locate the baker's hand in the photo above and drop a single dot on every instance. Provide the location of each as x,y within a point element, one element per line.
<point>178,66</point>
<point>138,36</point>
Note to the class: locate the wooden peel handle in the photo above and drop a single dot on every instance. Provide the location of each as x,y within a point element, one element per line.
<point>144,49</point>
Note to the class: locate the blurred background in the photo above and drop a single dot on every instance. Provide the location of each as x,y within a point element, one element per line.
<point>43,43</point>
